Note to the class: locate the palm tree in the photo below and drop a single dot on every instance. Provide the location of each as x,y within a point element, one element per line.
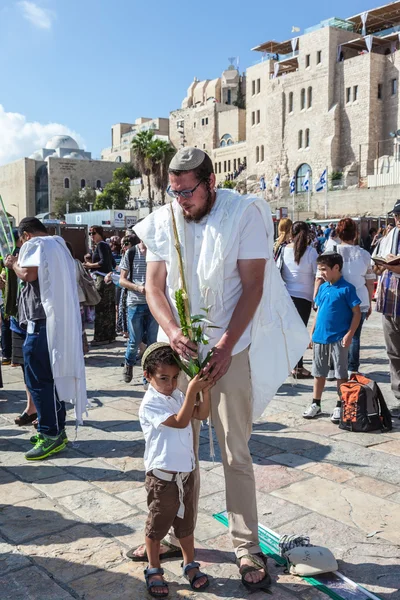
<point>141,145</point>
<point>161,153</point>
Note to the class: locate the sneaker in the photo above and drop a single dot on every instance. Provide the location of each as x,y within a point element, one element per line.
<point>331,376</point>
<point>6,362</point>
<point>128,373</point>
<point>34,438</point>
<point>335,418</point>
<point>44,447</point>
<point>350,373</point>
<point>313,411</point>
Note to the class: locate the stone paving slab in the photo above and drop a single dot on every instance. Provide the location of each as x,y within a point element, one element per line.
<point>66,524</point>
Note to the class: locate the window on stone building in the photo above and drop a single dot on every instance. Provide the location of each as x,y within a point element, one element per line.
<point>258,86</point>
<point>219,167</point>
<point>308,60</point>
<point>262,153</point>
<point>194,125</point>
<point>394,86</point>
<point>226,140</point>
<point>348,95</point>
<point>309,97</point>
<point>300,177</point>
<point>229,99</point>
<point>307,144</point>
<point>379,91</point>
<point>206,120</point>
<point>355,93</point>
<point>98,183</point>
<point>319,57</point>
<point>253,87</point>
<point>229,165</point>
<point>253,118</point>
<point>300,139</point>
<point>224,166</point>
<point>204,146</point>
<point>303,99</point>
<point>257,154</point>
<point>234,164</point>
<point>202,122</point>
<point>66,183</point>
<point>179,124</point>
<point>258,117</point>
<point>290,102</point>
<point>83,183</point>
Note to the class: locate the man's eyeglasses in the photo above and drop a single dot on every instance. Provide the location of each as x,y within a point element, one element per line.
<point>183,193</point>
<point>126,243</point>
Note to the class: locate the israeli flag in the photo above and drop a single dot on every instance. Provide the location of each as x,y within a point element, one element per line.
<point>263,185</point>
<point>277,180</point>
<point>306,182</point>
<point>292,185</point>
<point>321,184</point>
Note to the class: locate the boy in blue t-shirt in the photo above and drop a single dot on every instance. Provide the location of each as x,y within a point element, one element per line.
<point>336,321</point>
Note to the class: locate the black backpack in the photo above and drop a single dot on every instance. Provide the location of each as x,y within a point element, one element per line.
<point>363,406</point>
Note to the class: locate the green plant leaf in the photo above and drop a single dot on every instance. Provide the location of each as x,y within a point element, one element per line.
<point>206,360</point>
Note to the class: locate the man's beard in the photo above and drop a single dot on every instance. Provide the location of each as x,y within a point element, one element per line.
<point>202,212</point>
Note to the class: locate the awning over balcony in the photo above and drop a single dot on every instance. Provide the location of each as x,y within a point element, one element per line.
<point>274,47</point>
<point>378,19</point>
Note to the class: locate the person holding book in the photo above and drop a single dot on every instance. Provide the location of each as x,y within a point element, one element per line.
<point>388,296</point>
<point>337,319</point>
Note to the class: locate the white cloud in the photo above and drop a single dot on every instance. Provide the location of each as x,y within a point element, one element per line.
<point>40,17</point>
<point>20,138</point>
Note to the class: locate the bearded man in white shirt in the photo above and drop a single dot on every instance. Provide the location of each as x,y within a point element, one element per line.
<point>226,240</point>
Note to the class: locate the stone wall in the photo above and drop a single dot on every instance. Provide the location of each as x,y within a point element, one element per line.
<point>17,187</point>
<point>75,171</point>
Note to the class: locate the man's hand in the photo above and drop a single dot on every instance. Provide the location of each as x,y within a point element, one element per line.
<point>369,313</point>
<point>219,363</point>
<point>10,261</point>
<point>394,269</point>
<point>142,290</point>
<point>346,341</point>
<point>182,345</point>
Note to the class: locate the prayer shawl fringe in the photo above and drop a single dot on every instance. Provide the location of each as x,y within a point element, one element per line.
<point>279,337</point>
<point>59,297</point>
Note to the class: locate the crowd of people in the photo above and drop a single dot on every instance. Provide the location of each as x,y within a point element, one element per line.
<point>227,252</point>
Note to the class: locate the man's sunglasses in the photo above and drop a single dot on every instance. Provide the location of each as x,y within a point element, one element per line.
<point>126,243</point>
<point>92,232</point>
<point>183,193</point>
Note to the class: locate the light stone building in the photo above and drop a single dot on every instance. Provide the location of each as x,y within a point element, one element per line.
<point>209,119</point>
<point>328,99</point>
<point>122,135</point>
<point>30,186</point>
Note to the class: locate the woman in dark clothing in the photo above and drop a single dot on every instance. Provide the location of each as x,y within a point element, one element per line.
<point>102,263</point>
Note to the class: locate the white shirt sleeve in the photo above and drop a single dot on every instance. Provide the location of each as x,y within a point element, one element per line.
<point>151,257</point>
<point>253,236</point>
<point>313,260</point>
<point>156,413</point>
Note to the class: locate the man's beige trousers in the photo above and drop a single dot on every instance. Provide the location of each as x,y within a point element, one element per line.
<point>231,414</point>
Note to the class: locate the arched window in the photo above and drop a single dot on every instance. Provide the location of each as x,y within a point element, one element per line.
<point>98,183</point>
<point>83,183</point>
<point>309,97</point>
<point>300,138</point>
<point>262,153</point>
<point>66,183</point>
<point>226,140</point>
<point>118,159</point>
<point>301,176</point>
<point>41,190</point>
<point>257,154</point>
<point>302,99</point>
<point>307,144</point>
<point>290,102</point>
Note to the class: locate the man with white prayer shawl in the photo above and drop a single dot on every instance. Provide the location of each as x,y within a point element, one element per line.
<point>226,241</point>
<point>49,310</point>
<point>388,298</point>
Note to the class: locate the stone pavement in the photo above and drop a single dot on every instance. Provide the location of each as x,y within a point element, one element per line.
<point>66,523</point>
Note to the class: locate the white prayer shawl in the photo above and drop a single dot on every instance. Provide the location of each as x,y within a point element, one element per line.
<point>59,297</point>
<point>278,337</point>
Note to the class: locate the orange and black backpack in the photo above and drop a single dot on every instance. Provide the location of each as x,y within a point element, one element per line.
<point>363,406</point>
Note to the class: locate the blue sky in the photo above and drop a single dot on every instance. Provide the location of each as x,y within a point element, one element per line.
<point>82,65</point>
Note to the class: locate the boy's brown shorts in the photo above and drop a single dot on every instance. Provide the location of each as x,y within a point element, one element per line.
<point>163,503</point>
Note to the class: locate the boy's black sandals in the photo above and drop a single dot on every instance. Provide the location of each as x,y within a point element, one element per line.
<point>260,562</point>
<point>196,576</point>
<point>153,584</point>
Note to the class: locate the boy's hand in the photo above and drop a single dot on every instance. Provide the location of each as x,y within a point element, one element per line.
<point>200,383</point>
<point>310,344</point>
<point>346,341</point>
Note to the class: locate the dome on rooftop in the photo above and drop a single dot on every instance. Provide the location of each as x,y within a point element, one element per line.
<point>62,141</point>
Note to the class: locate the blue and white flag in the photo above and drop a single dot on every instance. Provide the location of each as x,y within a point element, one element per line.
<point>292,185</point>
<point>263,185</point>
<point>277,180</point>
<point>321,184</point>
<point>306,182</point>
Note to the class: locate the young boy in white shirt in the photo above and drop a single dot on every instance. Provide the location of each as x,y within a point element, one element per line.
<point>165,417</point>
